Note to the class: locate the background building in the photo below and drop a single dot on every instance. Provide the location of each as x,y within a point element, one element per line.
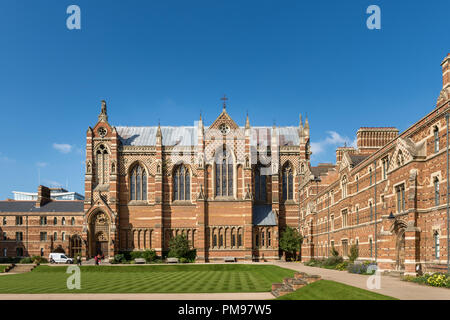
<point>55,194</point>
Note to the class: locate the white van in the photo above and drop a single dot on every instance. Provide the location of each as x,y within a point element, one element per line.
<point>59,258</point>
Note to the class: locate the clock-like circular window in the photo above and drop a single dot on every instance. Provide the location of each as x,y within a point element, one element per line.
<point>225,129</point>
<point>102,132</point>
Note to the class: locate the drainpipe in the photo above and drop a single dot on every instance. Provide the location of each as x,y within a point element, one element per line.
<point>448,208</point>
<point>375,208</point>
<point>328,226</point>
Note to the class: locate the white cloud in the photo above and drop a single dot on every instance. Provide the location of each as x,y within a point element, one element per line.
<point>63,147</point>
<point>333,140</point>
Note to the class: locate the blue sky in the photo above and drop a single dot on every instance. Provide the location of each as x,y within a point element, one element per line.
<point>169,60</point>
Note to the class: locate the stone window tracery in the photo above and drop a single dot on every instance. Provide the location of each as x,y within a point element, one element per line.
<point>138,183</point>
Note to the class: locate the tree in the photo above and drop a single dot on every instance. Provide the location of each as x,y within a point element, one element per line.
<point>291,241</point>
<point>179,247</point>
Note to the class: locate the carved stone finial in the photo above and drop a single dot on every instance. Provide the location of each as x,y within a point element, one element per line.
<point>103,116</point>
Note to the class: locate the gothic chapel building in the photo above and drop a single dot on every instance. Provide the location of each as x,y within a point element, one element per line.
<point>232,189</point>
<point>227,188</point>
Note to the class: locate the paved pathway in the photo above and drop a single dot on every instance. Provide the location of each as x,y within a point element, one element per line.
<point>139,296</point>
<point>390,286</point>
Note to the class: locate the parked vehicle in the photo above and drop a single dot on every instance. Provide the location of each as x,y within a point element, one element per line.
<point>59,258</point>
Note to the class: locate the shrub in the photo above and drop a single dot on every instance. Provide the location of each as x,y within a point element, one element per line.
<point>135,254</point>
<point>183,260</point>
<point>26,260</point>
<point>149,255</point>
<point>332,261</point>
<point>179,248</point>
<point>361,268</point>
<point>38,260</point>
<point>118,258</point>
<point>354,253</point>
<point>342,266</point>
<point>334,252</point>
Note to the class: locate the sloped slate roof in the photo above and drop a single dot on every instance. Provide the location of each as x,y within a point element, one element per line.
<point>264,216</point>
<point>146,136</point>
<point>321,170</point>
<point>187,136</point>
<point>357,158</point>
<point>53,206</point>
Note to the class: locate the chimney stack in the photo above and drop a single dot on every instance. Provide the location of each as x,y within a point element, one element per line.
<point>43,196</point>
<point>446,72</point>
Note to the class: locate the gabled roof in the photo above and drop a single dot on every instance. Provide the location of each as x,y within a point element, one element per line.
<point>264,216</point>
<point>187,135</point>
<point>52,206</point>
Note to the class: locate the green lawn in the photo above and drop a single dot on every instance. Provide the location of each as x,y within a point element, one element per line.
<point>149,279</point>
<point>330,290</point>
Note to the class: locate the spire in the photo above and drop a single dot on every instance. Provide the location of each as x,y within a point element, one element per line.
<point>200,125</point>
<point>158,131</point>
<point>301,122</point>
<point>103,116</point>
<point>158,135</point>
<point>247,123</point>
<point>306,130</point>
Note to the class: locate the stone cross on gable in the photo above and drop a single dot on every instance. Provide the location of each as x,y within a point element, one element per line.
<point>224,99</point>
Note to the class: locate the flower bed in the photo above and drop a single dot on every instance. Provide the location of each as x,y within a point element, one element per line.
<point>435,279</point>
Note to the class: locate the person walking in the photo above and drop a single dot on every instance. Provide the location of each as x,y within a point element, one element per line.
<point>79,260</point>
<point>96,260</point>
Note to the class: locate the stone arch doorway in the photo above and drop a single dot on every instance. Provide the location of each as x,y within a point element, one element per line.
<point>400,250</point>
<point>99,234</point>
<point>398,229</point>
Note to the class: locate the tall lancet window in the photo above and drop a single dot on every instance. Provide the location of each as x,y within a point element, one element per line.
<point>260,184</point>
<point>224,174</point>
<point>102,164</point>
<point>288,183</point>
<point>182,183</point>
<point>138,183</point>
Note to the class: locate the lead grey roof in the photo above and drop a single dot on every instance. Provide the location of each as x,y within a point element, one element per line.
<point>187,135</point>
<point>146,136</point>
<point>53,206</point>
<point>264,216</point>
<point>357,159</point>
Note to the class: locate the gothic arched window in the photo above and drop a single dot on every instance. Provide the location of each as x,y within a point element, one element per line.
<point>288,183</point>
<point>224,174</point>
<point>436,191</point>
<point>344,187</point>
<point>182,183</point>
<point>138,183</point>
<point>436,139</point>
<point>102,164</point>
<point>260,184</point>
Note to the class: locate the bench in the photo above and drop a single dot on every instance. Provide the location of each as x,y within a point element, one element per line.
<point>229,259</point>
<point>172,260</point>
<point>139,260</point>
